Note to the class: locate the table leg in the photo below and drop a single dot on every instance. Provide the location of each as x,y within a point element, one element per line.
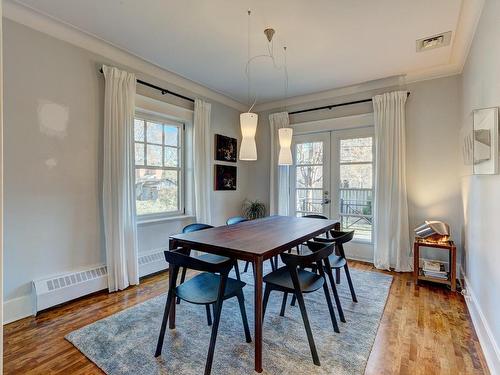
<point>258,273</point>
<point>453,268</point>
<point>171,316</point>
<point>416,260</point>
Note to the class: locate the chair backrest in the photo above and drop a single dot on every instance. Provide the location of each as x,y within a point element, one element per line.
<point>311,216</point>
<point>195,227</point>
<point>341,237</point>
<point>322,251</point>
<point>235,220</point>
<point>179,258</point>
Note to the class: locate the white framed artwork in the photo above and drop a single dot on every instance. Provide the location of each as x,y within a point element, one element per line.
<point>485,145</point>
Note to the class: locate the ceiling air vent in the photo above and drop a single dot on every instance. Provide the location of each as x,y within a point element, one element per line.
<point>435,41</point>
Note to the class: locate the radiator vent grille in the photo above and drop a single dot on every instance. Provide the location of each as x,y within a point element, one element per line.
<point>155,257</point>
<point>75,278</point>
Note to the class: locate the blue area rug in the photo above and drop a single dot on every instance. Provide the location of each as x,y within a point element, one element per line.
<point>124,343</point>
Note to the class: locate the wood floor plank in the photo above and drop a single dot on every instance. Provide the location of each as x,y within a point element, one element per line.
<point>422,331</point>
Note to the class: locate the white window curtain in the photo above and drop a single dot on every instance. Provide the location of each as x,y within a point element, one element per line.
<point>391,232</point>
<point>279,178</point>
<point>118,179</point>
<point>202,156</point>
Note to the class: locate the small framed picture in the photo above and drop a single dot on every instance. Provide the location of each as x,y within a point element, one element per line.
<point>225,148</point>
<point>225,177</point>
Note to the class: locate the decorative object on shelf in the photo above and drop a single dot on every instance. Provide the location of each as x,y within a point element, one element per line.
<point>225,177</point>
<point>485,145</point>
<point>249,120</point>
<point>225,148</point>
<point>433,231</point>
<point>435,271</point>
<point>254,209</point>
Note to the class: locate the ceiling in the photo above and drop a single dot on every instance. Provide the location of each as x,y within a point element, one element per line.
<point>330,43</point>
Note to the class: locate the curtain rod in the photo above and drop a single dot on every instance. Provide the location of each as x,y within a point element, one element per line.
<point>334,105</point>
<point>162,90</point>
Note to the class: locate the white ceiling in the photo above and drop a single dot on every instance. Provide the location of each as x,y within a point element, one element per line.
<point>331,43</point>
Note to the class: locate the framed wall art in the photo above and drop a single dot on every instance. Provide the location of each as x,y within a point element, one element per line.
<point>225,148</point>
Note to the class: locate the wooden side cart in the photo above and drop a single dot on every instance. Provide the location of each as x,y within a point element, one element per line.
<point>452,251</point>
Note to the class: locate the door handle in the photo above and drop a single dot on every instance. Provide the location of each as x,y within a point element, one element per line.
<point>326,201</point>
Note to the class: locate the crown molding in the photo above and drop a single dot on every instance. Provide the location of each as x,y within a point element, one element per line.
<point>399,80</point>
<point>63,31</point>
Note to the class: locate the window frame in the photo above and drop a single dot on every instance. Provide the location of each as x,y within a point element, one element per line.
<point>181,194</point>
<point>365,132</point>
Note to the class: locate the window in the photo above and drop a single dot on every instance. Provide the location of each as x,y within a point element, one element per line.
<point>158,166</point>
<point>356,186</point>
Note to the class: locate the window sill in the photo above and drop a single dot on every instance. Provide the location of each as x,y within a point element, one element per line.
<point>155,220</point>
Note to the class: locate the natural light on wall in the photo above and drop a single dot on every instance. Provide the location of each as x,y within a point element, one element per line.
<point>248,149</point>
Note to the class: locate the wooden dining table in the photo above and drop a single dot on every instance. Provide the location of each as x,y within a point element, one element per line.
<point>254,241</point>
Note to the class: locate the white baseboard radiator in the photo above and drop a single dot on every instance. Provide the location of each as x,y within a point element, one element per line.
<point>55,290</point>
<point>62,288</point>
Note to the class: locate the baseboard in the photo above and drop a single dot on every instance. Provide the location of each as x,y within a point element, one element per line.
<point>486,339</point>
<point>17,308</point>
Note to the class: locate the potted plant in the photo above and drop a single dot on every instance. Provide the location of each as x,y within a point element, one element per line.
<point>254,209</point>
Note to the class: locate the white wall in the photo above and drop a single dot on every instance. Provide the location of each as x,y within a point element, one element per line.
<point>432,176</point>
<point>481,194</point>
<point>53,147</point>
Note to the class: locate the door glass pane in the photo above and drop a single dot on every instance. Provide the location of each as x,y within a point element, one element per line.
<point>154,132</point>
<point>356,150</point>
<point>308,201</point>
<point>309,177</point>
<point>309,153</point>
<point>356,186</point>
<point>156,191</point>
<point>356,176</point>
<point>362,227</point>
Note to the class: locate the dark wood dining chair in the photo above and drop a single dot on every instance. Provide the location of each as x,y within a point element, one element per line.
<point>207,257</point>
<point>294,279</point>
<point>211,287</point>
<point>338,260</point>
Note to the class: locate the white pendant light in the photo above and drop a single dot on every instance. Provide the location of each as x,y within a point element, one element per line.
<point>285,138</point>
<point>286,132</point>
<point>248,120</point>
<point>248,123</point>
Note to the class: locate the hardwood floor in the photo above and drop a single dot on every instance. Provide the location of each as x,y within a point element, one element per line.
<point>424,331</point>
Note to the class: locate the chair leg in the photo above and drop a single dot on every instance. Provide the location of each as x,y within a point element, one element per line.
<point>183,277</point>
<point>241,302</point>
<point>283,304</point>
<point>215,326</point>
<point>209,315</point>
<point>237,270</point>
<point>337,274</point>
<point>267,292</point>
<point>246,267</point>
<point>351,287</point>
<point>330,307</point>
<point>159,345</point>
<point>310,338</point>
<point>294,299</point>
<point>336,295</point>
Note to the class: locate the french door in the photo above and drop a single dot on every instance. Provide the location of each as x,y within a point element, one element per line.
<point>333,175</point>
